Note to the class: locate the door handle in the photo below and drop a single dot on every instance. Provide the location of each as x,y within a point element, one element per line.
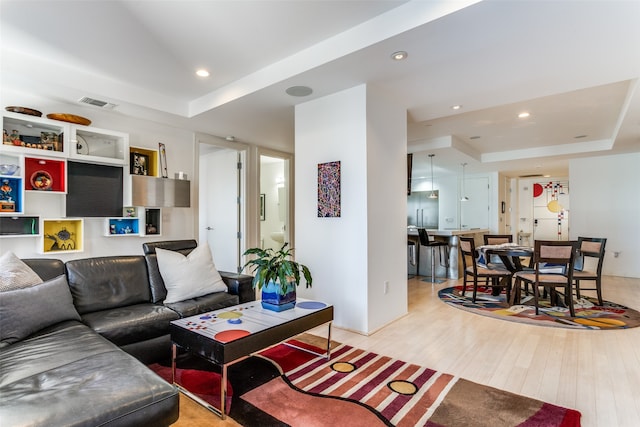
<point>209,228</point>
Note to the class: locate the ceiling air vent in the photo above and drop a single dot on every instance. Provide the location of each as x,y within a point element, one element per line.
<point>96,102</point>
<point>535,175</point>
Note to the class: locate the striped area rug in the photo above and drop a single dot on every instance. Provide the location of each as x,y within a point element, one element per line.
<point>360,388</point>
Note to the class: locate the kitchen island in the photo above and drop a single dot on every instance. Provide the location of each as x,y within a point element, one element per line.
<point>452,238</point>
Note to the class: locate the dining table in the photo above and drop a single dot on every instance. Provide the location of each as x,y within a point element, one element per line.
<point>511,255</point>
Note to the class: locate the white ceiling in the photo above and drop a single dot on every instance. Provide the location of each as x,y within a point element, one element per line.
<point>573,65</point>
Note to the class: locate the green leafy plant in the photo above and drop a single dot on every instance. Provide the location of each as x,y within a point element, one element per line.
<point>277,266</point>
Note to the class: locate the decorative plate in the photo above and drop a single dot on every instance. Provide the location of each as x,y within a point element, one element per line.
<point>24,110</point>
<point>81,145</point>
<point>41,180</point>
<point>63,234</point>
<point>71,118</point>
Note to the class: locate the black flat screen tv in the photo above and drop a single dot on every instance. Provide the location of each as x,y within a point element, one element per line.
<point>94,190</point>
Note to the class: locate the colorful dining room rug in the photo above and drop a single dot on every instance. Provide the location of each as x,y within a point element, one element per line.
<point>284,386</point>
<point>589,315</point>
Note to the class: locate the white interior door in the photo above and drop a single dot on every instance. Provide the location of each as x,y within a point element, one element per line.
<point>474,213</point>
<point>550,211</point>
<point>220,210</point>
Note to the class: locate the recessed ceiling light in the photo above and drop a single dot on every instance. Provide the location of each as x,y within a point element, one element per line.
<point>456,107</point>
<point>299,91</point>
<point>524,115</point>
<point>399,55</point>
<point>202,73</point>
<point>230,138</point>
<point>580,136</point>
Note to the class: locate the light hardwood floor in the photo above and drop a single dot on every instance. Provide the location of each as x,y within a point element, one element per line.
<point>595,372</point>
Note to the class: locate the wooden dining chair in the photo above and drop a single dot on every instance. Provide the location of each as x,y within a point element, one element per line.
<point>589,248</point>
<point>496,239</point>
<point>499,276</point>
<point>552,268</point>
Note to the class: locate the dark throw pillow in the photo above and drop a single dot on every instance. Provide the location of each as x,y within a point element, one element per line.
<point>28,310</point>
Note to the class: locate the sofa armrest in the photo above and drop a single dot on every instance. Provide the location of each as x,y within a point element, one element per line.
<point>239,284</point>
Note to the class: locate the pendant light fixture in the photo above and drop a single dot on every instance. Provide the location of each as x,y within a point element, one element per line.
<point>433,195</point>
<point>464,198</point>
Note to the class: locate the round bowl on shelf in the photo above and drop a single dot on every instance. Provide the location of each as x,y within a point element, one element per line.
<point>41,180</point>
<point>8,169</point>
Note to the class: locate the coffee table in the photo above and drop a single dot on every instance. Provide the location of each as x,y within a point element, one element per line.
<point>224,337</point>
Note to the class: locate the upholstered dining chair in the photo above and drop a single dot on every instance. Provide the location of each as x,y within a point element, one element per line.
<point>500,276</point>
<point>589,248</point>
<point>552,268</point>
<point>496,239</point>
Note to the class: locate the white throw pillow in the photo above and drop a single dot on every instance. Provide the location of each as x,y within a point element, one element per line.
<point>189,276</point>
<point>15,274</point>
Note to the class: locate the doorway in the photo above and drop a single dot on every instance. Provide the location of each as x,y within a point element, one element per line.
<point>274,202</point>
<point>221,217</point>
<point>551,210</point>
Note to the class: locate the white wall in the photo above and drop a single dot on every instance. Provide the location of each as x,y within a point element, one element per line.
<point>352,256</point>
<point>177,223</point>
<point>386,209</point>
<point>605,202</point>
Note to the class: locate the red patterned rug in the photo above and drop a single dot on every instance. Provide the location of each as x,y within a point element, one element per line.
<point>360,388</point>
<point>202,383</point>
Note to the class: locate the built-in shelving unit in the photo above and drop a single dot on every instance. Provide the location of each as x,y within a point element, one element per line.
<point>45,174</point>
<point>143,161</point>
<point>137,221</point>
<point>152,221</point>
<point>62,235</point>
<point>122,227</point>
<point>31,135</point>
<point>100,146</point>
<point>11,184</point>
<point>19,226</point>
<point>89,172</point>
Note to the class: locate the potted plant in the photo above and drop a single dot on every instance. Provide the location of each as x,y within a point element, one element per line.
<point>276,275</point>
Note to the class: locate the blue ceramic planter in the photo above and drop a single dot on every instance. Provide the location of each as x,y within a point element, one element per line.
<point>272,298</point>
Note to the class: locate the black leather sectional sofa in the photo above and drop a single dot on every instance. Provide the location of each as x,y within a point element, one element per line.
<point>91,371</point>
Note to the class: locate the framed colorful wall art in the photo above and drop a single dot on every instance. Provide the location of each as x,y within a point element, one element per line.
<point>329,190</point>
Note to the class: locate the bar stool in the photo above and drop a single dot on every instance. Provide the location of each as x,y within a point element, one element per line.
<point>411,245</point>
<point>411,256</point>
<point>425,240</point>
